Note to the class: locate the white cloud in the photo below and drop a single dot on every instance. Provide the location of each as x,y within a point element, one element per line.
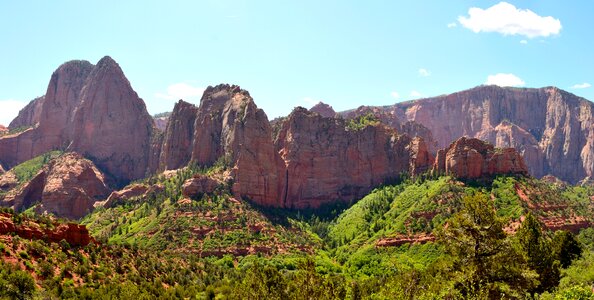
<point>506,19</point>
<point>10,109</point>
<point>183,91</point>
<point>424,72</point>
<point>395,95</point>
<point>309,102</point>
<point>523,42</point>
<point>415,94</point>
<point>502,79</point>
<point>452,25</point>
<point>584,85</point>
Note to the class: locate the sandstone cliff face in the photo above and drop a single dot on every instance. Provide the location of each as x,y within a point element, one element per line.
<point>314,159</point>
<point>470,158</point>
<point>28,115</point>
<point>551,128</point>
<point>176,151</point>
<point>396,120</point>
<point>323,110</point>
<point>67,187</point>
<point>89,109</point>
<point>112,125</point>
<point>326,161</point>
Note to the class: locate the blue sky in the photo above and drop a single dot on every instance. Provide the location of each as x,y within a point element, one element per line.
<point>290,53</point>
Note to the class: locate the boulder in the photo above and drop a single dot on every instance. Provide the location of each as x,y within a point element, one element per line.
<point>67,186</point>
<point>470,158</point>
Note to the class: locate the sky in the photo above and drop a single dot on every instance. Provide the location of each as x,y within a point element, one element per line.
<point>296,53</point>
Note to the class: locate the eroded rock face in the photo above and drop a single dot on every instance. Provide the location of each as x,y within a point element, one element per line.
<point>91,110</point>
<point>551,128</point>
<point>326,162</point>
<point>200,184</point>
<point>74,234</point>
<point>323,110</point>
<point>67,187</point>
<point>179,137</point>
<point>470,158</point>
<point>314,159</point>
<point>28,115</point>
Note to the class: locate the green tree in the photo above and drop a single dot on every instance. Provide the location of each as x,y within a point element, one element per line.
<point>566,247</point>
<point>539,254</point>
<point>485,263</point>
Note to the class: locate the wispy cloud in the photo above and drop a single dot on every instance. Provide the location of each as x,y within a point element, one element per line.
<point>415,94</point>
<point>10,109</point>
<point>395,95</point>
<point>584,85</point>
<point>183,91</point>
<point>424,72</point>
<point>523,42</point>
<point>452,25</point>
<point>502,79</point>
<point>308,102</point>
<point>506,19</point>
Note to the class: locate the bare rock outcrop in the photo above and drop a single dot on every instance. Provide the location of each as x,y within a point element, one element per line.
<point>200,184</point>
<point>323,110</point>
<point>67,186</point>
<point>176,150</point>
<point>28,115</point>
<point>552,129</point>
<point>74,234</point>
<point>326,161</point>
<point>91,110</point>
<point>471,158</point>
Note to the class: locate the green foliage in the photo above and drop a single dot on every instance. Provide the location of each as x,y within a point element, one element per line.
<point>566,248</point>
<point>539,254</point>
<point>14,283</point>
<point>363,121</point>
<point>26,170</point>
<point>487,263</point>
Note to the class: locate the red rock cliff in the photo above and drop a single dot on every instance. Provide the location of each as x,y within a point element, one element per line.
<point>471,158</point>
<point>551,128</point>
<point>89,109</point>
<point>67,187</point>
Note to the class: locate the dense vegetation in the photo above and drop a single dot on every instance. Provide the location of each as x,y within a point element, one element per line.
<point>461,241</point>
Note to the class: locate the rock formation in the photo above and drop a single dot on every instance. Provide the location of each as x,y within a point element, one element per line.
<point>470,158</point>
<point>28,115</point>
<point>198,185</point>
<point>91,110</point>
<point>314,159</point>
<point>67,186</point>
<point>551,128</point>
<point>178,141</point>
<point>323,110</point>
<point>74,234</point>
<point>325,161</point>
<point>3,130</point>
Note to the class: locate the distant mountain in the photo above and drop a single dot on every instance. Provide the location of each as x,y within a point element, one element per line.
<point>551,128</point>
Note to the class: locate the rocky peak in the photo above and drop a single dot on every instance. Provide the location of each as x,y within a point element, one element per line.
<point>323,110</point>
<point>471,158</point>
<point>28,115</point>
<point>176,150</point>
<point>67,186</point>
<point>92,110</point>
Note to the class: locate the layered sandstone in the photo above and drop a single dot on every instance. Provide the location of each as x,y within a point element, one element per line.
<point>91,110</point>
<point>470,158</point>
<point>551,128</point>
<point>176,149</point>
<point>67,186</point>
<point>200,184</point>
<point>74,234</point>
<point>326,161</point>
